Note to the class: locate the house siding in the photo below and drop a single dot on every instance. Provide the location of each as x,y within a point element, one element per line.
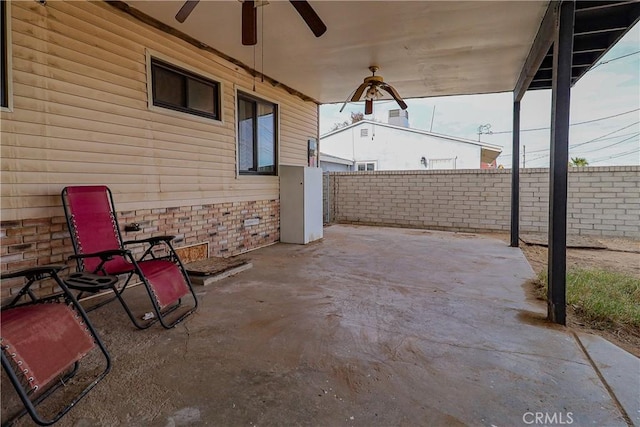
<point>80,116</point>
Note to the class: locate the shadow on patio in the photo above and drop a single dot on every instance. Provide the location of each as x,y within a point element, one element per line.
<point>371,326</point>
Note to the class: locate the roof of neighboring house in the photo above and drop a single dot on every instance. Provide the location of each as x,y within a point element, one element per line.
<point>334,159</point>
<point>483,145</point>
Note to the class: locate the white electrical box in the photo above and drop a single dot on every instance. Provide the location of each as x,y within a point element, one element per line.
<point>300,204</point>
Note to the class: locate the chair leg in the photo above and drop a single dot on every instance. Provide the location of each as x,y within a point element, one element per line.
<point>132,317</point>
<point>161,315</point>
<point>118,295</point>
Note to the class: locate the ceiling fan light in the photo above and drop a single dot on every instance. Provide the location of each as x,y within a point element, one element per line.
<point>373,93</point>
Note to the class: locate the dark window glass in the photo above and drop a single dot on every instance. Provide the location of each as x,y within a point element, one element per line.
<point>184,91</point>
<point>169,87</point>
<point>257,127</point>
<point>201,96</point>
<point>4,95</point>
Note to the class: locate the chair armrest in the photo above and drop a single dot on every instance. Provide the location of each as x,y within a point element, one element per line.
<point>33,275</point>
<point>83,281</point>
<point>153,240</point>
<point>34,271</point>
<point>104,255</point>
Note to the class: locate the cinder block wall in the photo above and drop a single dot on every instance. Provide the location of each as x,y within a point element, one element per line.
<point>31,242</point>
<point>602,201</point>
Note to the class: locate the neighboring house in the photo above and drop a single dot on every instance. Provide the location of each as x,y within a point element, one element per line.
<point>92,95</point>
<point>330,163</point>
<point>394,146</point>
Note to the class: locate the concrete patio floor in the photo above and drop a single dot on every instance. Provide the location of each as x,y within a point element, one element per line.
<point>371,326</point>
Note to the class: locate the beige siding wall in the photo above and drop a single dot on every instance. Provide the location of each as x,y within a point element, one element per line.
<point>80,116</point>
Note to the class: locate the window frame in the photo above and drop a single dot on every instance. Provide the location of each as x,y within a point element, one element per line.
<point>186,72</point>
<point>6,101</point>
<point>365,164</point>
<point>453,160</point>
<point>247,96</point>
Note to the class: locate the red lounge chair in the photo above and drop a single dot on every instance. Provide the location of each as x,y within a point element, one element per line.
<point>99,249</point>
<point>43,341</point>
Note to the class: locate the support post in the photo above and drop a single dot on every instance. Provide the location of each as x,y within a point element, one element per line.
<point>515,177</point>
<point>558,170</point>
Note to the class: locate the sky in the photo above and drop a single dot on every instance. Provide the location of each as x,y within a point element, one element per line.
<point>610,88</point>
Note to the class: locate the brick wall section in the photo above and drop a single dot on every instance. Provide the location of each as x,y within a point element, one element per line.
<point>602,201</point>
<point>32,242</point>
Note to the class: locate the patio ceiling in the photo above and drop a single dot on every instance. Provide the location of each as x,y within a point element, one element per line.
<point>422,48</point>
<point>598,26</point>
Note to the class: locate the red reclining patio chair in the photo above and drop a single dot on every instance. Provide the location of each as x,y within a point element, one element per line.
<point>99,249</point>
<point>43,341</point>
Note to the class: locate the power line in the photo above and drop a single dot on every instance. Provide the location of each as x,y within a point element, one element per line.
<point>613,59</point>
<point>549,154</point>
<point>593,140</point>
<point>572,124</point>
<point>610,133</point>
<point>612,145</point>
<point>598,139</point>
<point>601,139</point>
<point>615,156</point>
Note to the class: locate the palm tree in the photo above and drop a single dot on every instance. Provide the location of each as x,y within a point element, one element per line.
<point>578,162</point>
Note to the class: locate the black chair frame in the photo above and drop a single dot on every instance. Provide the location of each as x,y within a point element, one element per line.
<point>155,242</point>
<point>34,275</point>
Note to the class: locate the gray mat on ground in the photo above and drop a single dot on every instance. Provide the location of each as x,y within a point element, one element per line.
<point>213,266</point>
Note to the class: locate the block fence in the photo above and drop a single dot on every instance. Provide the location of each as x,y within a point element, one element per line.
<point>32,242</point>
<point>602,201</point>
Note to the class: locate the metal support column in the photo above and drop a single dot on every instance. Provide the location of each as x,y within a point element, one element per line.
<point>515,177</point>
<point>558,170</point>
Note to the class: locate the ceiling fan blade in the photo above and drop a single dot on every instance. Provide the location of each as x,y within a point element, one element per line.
<point>249,23</point>
<point>310,17</point>
<point>346,101</point>
<point>394,93</point>
<point>358,93</point>
<point>368,106</point>
<point>186,10</point>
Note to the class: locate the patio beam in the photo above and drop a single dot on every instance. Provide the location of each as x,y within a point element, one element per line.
<point>558,170</point>
<point>515,177</point>
<point>538,51</point>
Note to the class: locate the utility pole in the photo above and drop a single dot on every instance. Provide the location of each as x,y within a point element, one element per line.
<point>524,156</point>
<point>433,115</point>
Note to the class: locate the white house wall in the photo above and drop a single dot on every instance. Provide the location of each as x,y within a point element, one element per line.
<point>396,149</point>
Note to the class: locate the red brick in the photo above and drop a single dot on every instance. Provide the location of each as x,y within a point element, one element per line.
<point>25,231</point>
<point>6,241</point>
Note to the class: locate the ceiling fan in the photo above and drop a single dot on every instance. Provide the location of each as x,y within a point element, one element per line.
<point>372,86</point>
<point>250,18</point>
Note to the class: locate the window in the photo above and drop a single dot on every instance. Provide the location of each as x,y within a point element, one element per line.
<point>4,86</point>
<point>184,91</point>
<point>364,133</point>
<point>366,166</point>
<point>257,135</point>
<point>442,163</point>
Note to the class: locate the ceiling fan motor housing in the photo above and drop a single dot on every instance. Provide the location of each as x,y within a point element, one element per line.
<point>373,79</point>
